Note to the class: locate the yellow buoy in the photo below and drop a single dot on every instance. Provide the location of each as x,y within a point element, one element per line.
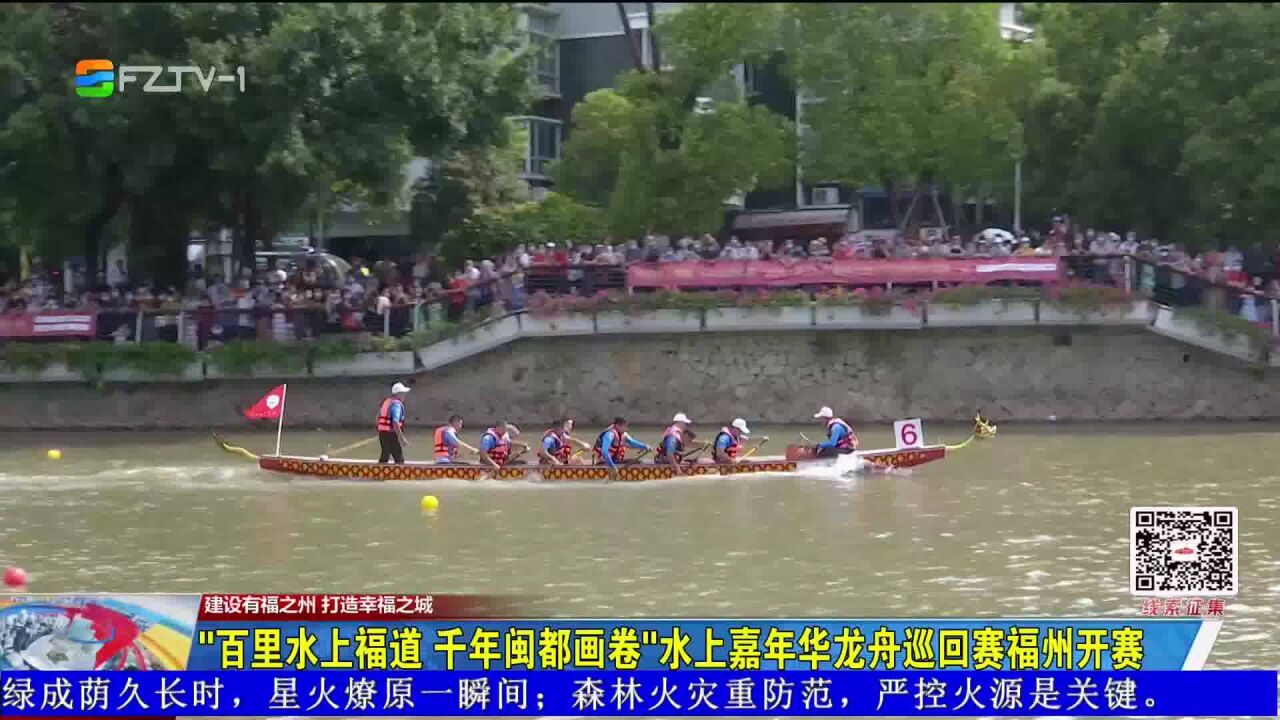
<point>430,502</point>
<point>54,454</point>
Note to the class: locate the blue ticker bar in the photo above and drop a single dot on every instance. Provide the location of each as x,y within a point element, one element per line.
<point>640,693</point>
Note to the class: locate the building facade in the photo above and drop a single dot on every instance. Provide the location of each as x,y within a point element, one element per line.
<point>584,47</point>
<point>587,49</point>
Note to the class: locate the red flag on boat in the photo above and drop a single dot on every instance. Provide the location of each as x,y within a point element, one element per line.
<point>270,407</point>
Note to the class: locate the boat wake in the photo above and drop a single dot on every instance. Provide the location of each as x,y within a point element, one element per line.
<point>197,477</point>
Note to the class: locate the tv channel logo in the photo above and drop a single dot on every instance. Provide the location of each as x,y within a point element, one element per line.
<point>95,78</point>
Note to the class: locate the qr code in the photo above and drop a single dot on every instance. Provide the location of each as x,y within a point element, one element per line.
<point>1178,551</point>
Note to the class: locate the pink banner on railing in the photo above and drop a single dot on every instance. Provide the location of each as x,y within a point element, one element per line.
<point>48,325</point>
<point>794,273</point>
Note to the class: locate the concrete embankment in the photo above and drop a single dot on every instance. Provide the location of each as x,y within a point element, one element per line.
<point>1098,374</point>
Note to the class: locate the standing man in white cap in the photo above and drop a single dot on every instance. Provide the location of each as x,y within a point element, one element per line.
<point>729,442</point>
<point>391,425</point>
<point>840,438</point>
<point>671,447</point>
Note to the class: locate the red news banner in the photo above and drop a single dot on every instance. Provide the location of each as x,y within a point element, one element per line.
<point>386,608</point>
<point>791,272</point>
<point>48,325</point>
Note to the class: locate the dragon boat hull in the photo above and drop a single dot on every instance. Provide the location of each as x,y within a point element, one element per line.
<point>421,471</point>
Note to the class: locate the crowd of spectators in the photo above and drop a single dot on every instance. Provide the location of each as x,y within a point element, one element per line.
<point>363,298</point>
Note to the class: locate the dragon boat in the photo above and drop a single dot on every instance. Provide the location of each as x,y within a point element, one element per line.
<point>799,459</point>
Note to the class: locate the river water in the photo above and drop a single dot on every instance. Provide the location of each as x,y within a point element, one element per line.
<point>1034,522</point>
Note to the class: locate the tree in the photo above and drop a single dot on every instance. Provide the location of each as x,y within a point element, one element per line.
<point>1081,50</point>
<point>1219,62</point>
<point>654,156</point>
<point>338,97</point>
<point>460,209</point>
<point>1156,117</point>
<point>907,94</point>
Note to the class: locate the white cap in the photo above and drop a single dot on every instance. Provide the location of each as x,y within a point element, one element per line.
<point>681,417</point>
<point>399,388</point>
<point>825,412</point>
<point>741,424</point>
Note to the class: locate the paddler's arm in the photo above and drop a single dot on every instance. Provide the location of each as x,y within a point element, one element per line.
<point>579,443</point>
<point>544,451</point>
<point>451,438</point>
<point>397,421</point>
<point>634,443</point>
<point>486,444</point>
<point>667,456</point>
<point>718,450</point>
<point>837,434</point>
<point>606,444</point>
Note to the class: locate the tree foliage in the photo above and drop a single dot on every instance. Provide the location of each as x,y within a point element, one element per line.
<point>1156,116</point>
<point>338,97</point>
<point>907,94</point>
<point>653,155</point>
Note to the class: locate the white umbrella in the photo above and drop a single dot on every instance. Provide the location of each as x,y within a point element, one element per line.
<point>996,235</point>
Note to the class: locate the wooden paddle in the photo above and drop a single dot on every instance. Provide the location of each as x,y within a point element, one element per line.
<point>694,454</point>
<point>511,460</point>
<point>352,446</point>
<point>759,445</point>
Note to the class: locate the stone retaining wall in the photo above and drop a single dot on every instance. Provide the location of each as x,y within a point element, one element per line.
<point>769,377</point>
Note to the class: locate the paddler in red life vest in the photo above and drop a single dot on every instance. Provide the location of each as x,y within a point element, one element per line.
<point>447,441</point>
<point>729,442</point>
<point>840,438</point>
<point>672,446</point>
<point>557,443</point>
<point>611,445</point>
<point>496,443</point>
<point>390,425</point>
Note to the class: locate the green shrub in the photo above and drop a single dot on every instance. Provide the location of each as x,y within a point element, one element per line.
<point>242,357</point>
<point>1088,299</point>
<point>93,360</point>
<point>1228,326</point>
<point>159,359</point>
<point>971,295</point>
<point>331,349</point>
<point>30,358</point>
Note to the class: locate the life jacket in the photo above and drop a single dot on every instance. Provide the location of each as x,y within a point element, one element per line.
<point>734,445</point>
<point>384,416</point>
<point>672,432</point>
<point>500,451</point>
<point>849,440</point>
<point>562,450</point>
<point>617,451</point>
<point>444,449</point>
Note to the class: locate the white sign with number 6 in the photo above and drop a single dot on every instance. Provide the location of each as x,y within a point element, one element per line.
<point>908,434</point>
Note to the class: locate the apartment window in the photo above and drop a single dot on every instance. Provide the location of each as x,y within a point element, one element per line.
<point>749,79</point>
<point>542,29</point>
<point>545,137</point>
<point>825,195</point>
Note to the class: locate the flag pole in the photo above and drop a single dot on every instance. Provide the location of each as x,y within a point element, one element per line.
<point>284,392</point>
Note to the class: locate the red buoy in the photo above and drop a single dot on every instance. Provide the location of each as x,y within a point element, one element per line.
<point>15,577</point>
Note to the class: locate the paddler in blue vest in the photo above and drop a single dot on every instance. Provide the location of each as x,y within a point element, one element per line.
<point>728,442</point>
<point>674,443</point>
<point>447,442</point>
<point>611,445</point>
<point>557,443</point>
<point>390,425</point>
<point>840,438</point>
